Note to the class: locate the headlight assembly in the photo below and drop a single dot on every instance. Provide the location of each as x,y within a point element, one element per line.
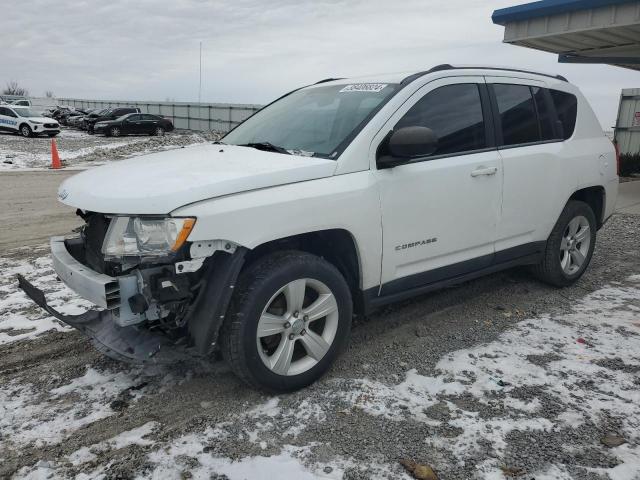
<point>145,237</point>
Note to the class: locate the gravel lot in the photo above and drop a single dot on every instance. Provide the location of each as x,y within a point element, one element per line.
<point>79,149</point>
<point>498,378</point>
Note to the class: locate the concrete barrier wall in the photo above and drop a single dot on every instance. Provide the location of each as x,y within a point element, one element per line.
<point>220,117</point>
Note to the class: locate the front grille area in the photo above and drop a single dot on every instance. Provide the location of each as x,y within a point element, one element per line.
<point>51,125</point>
<point>112,292</point>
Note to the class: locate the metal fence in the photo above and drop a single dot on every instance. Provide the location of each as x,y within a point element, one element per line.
<point>628,122</point>
<point>220,117</point>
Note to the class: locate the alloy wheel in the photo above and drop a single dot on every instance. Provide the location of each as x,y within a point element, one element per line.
<point>297,327</point>
<point>574,246</point>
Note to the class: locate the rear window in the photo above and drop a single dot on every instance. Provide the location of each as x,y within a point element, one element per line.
<point>545,117</point>
<point>567,109</point>
<point>517,114</point>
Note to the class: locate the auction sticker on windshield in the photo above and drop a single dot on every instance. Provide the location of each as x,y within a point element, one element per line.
<point>364,87</point>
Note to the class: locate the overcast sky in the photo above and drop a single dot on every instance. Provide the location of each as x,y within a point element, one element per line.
<point>253,51</point>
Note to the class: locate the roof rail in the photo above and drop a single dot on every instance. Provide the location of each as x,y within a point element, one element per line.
<point>327,80</point>
<point>446,66</point>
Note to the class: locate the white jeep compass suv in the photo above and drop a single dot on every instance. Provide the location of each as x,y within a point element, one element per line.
<point>336,198</point>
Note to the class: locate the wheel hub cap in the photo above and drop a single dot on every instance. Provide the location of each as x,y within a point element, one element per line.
<point>297,326</point>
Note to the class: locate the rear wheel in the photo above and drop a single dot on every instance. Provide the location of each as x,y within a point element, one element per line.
<point>289,319</point>
<point>569,247</point>
<point>25,130</point>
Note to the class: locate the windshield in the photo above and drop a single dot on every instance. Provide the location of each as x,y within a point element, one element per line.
<point>27,112</point>
<point>318,121</point>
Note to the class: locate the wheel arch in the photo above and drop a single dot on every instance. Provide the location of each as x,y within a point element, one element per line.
<point>337,246</point>
<point>595,197</point>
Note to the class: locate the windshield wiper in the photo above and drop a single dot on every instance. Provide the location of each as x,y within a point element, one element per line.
<point>266,146</point>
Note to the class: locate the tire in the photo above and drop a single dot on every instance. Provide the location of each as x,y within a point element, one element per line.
<point>114,132</point>
<point>567,253</point>
<point>159,132</point>
<point>25,130</point>
<point>268,284</point>
<point>51,135</point>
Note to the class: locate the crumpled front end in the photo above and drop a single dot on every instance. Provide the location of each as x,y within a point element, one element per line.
<point>152,309</point>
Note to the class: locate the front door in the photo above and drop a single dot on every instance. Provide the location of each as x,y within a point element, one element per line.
<point>132,124</point>
<point>8,120</point>
<point>439,213</point>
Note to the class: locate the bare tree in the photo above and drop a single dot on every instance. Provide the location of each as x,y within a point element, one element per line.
<point>48,94</point>
<point>14,89</point>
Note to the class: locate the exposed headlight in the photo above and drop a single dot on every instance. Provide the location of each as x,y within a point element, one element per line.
<point>145,237</point>
<point>36,122</point>
<point>100,124</point>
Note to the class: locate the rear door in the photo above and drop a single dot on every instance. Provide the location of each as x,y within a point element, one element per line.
<point>439,213</point>
<point>133,124</point>
<point>149,123</point>
<point>534,177</point>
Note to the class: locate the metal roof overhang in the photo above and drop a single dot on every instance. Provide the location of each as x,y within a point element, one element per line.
<point>579,31</point>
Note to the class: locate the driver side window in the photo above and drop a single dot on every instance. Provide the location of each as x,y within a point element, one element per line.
<point>454,113</point>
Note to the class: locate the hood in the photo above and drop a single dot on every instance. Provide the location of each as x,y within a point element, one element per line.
<point>161,182</point>
<point>39,119</point>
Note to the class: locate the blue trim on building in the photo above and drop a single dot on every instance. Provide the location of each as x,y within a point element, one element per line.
<point>547,7</point>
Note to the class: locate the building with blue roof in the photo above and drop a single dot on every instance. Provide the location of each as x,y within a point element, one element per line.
<point>579,31</point>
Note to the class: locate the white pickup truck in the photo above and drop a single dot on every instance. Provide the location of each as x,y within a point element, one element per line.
<point>335,199</point>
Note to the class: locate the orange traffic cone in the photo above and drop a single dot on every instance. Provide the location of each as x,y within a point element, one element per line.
<point>55,158</point>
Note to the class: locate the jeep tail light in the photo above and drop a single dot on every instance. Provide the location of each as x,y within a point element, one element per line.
<point>615,145</point>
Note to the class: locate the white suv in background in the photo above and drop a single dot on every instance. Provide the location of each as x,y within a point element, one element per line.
<point>26,122</point>
<point>336,198</point>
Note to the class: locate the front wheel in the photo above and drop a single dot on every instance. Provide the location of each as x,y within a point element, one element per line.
<point>159,132</point>
<point>569,247</point>
<point>289,319</point>
<point>114,132</point>
<point>25,131</point>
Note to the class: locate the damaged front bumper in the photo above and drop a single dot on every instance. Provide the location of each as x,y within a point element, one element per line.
<point>124,334</point>
<point>130,344</point>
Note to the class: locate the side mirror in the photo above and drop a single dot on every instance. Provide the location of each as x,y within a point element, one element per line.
<point>405,144</point>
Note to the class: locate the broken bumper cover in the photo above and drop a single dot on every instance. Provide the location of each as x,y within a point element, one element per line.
<point>129,344</point>
<point>125,343</point>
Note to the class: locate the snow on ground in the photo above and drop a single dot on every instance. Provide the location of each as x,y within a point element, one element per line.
<point>568,358</point>
<point>19,318</point>
<point>548,375</point>
<point>78,149</point>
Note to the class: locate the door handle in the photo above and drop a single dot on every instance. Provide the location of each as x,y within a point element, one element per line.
<point>484,171</point>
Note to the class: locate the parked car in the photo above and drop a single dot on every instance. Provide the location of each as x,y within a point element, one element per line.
<point>74,120</point>
<point>26,122</point>
<point>63,118</point>
<point>339,197</point>
<point>110,114</point>
<point>61,110</point>
<point>21,103</point>
<point>134,124</point>
<point>93,114</point>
